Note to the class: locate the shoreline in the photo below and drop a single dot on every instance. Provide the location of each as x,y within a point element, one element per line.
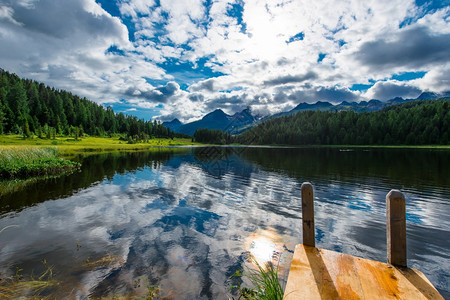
<point>68,146</point>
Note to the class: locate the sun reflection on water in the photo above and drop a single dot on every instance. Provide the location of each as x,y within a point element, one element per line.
<point>262,249</point>
<point>265,246</point>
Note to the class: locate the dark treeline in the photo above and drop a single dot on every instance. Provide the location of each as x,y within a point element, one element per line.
<point>28,107</point>
<point>422,122</point>
<point>212,136</point>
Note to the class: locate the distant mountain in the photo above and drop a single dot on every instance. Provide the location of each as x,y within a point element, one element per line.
<point>319,105</point>
<point>244,120</point>
<point>363,106</point>
<point>241,120</point>
<point>215,120</point>
<point>428,95</point>
<point>173,125</point>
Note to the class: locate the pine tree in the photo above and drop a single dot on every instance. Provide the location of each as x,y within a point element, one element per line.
<point>2,119</point>
<point>26,130</point>
<point>17,100</point>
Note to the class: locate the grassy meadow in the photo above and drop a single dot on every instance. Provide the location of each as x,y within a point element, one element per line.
<point>68,145</point>
<point>20,158</point>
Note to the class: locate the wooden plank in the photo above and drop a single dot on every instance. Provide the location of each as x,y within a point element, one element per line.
<point>301,282</point>
<point>323,274</point>
<point>343,271</point>
<point>396,228</point>
<point>308,214</point>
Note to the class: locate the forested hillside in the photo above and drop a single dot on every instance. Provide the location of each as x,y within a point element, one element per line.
<point>212,136</point>
<point>421,122</point>
<point>28,107</point>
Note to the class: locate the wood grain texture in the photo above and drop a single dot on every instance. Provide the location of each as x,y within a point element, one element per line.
<point>308,214</point>
<point>323,274</point>
<point>396,228</point>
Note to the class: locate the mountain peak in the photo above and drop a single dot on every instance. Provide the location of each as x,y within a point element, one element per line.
<point>374,101</point>
<point>323,103</point>
<point>427,95</point>
<point>244,116</point>
<point>302,105</point>
<point>216,114</point>
<point>174,124</point>
<point>245,111</point>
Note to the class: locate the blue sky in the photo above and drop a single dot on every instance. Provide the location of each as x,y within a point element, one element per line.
<point>171,58</point>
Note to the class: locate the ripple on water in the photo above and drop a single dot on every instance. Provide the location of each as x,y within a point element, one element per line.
<point>184,224</point>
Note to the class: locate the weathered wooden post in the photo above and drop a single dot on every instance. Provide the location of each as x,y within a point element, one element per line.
<point>308,214</point>
<point>396,228</point>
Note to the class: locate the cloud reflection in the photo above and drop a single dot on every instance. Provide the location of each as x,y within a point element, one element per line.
<point>185,229</point>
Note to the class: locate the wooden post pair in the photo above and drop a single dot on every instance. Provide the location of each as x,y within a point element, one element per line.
<point>395,223</point>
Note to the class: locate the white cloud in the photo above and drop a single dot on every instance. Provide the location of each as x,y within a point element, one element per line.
<point>6,13</point>
<point>249,44</point>
<point>70,52</point>
<point>437,80</point>
<point>134,8</point>
<point>385,90</point>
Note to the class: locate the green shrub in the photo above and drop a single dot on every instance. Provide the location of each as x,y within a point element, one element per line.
<point>31,161</point>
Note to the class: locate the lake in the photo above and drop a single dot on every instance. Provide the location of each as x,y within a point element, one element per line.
<point>183,220</point>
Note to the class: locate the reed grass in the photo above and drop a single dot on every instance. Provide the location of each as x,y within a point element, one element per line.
<point>266,285</point>
<point>106,261</point>
<point>31,161</point>
<point>16,287</point>
<point>17,184</point>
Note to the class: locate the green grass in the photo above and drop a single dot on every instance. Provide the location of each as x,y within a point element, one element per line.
<point>23,158</point>
<point>68,146</point>
<point>31,161</point>
<point>266,285</point>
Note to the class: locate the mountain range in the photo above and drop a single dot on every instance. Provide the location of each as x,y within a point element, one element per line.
<point>217,119</point>
<point>241,121</point>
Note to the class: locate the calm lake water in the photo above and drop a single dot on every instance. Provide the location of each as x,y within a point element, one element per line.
<point>184,220</point>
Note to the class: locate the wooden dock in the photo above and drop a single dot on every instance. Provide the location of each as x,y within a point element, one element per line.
<point>323,274</point>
